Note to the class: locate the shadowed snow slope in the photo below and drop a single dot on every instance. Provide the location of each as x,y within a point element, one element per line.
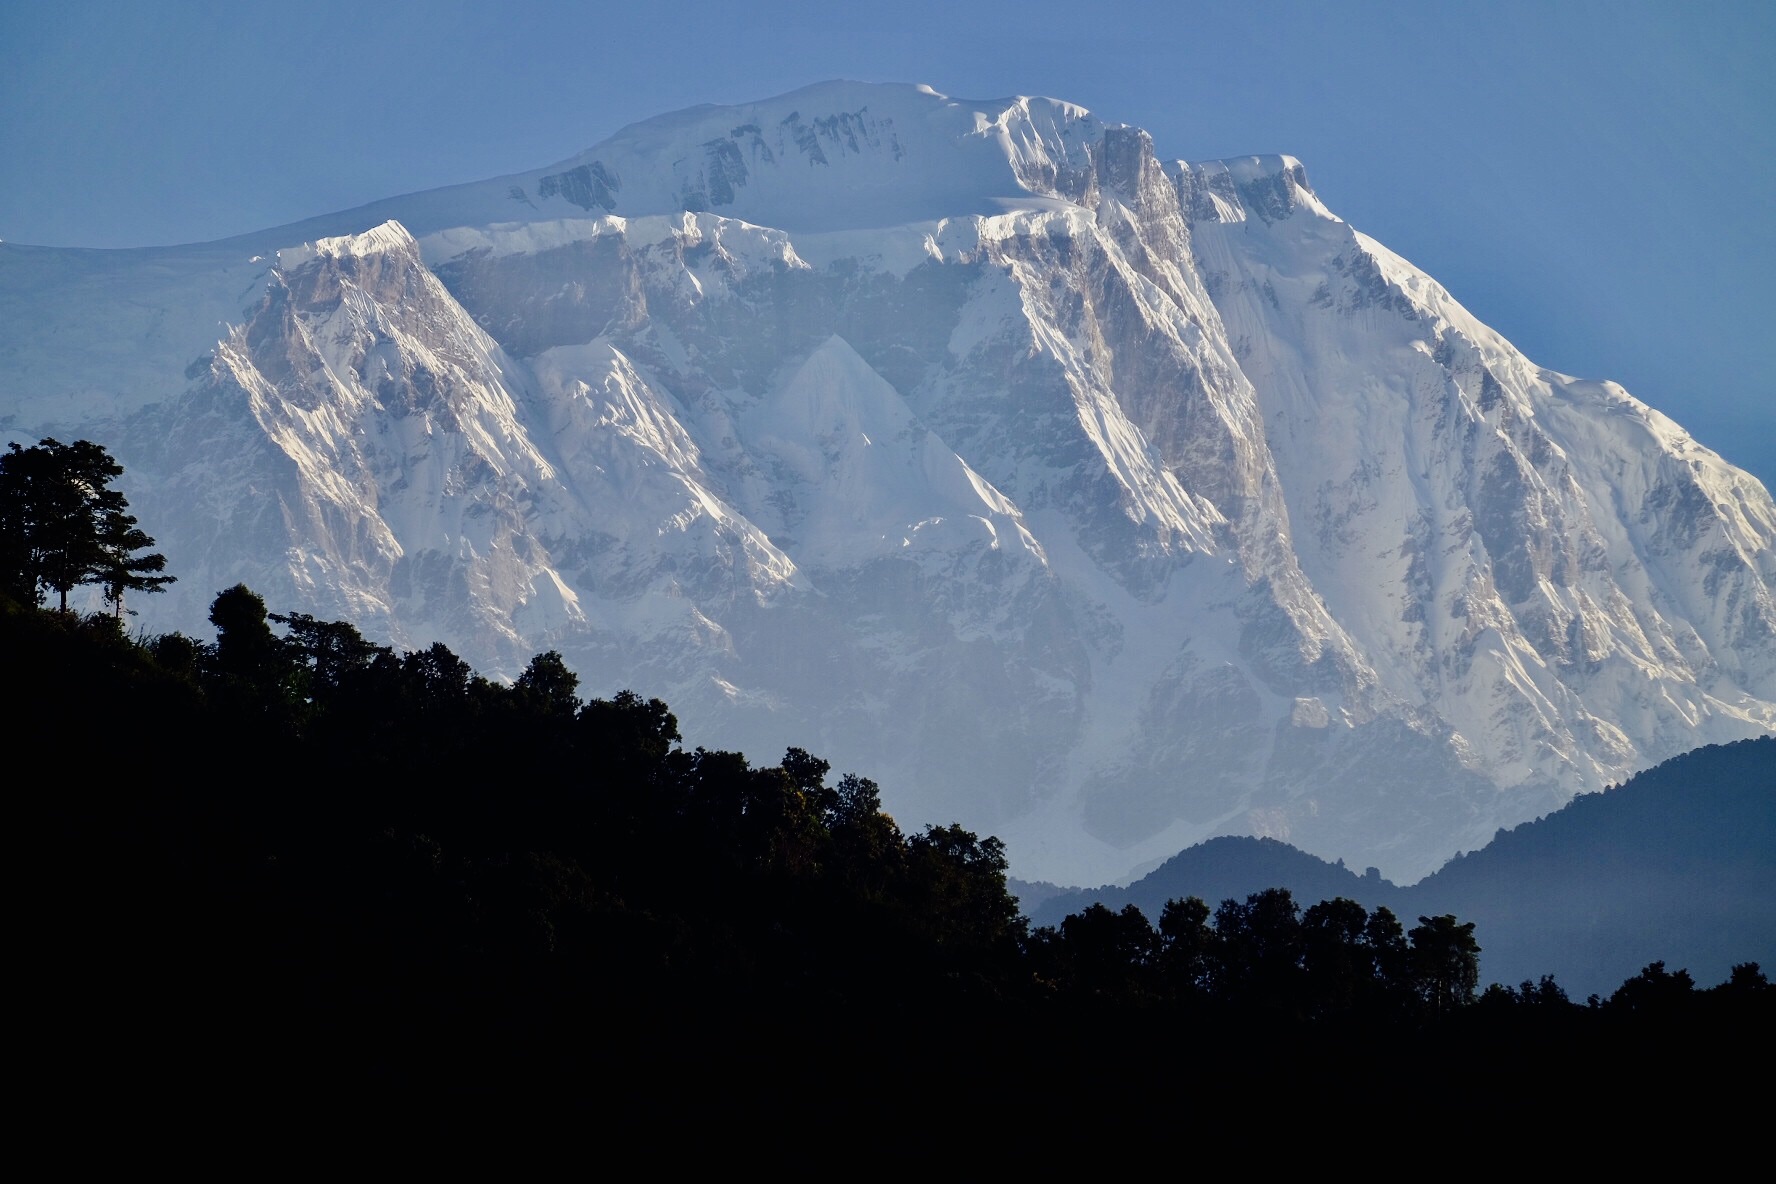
<point>1100,503</point>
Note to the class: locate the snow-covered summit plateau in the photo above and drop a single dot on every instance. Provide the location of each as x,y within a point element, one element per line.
<point>1100,502</point>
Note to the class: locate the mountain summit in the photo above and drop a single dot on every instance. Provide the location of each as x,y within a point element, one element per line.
<point>1103,502</point>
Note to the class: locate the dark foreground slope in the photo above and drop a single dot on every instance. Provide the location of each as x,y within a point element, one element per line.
<point>276,876</point>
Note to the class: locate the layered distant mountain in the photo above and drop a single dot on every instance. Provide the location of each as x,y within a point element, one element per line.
<point>1102,502</point>
<point>1677,866</point>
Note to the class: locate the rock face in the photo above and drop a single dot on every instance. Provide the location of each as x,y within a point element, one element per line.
<point>1103,503</point>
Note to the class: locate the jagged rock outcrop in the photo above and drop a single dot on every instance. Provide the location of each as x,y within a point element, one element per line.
<point>1100,502</point>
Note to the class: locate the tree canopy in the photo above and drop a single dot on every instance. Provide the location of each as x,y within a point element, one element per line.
<point>62,526</point>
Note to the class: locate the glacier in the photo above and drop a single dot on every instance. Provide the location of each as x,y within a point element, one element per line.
<point>1099,501</point>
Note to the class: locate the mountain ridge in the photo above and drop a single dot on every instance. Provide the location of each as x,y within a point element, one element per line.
<point>1252,527</point>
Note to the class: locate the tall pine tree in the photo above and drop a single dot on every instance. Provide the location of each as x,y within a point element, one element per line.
<point>63,526</point>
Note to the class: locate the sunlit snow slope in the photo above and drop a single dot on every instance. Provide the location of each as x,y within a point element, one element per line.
<point>1100,503</point>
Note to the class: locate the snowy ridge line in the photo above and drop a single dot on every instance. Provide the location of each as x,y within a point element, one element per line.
<point>1102,504</point>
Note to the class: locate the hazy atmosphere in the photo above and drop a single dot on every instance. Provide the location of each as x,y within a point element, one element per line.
<point>696,563</point>
<point>1590,179</point>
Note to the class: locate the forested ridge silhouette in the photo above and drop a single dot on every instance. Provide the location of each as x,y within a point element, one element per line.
<point>283,862</point>
<point>291,869</point>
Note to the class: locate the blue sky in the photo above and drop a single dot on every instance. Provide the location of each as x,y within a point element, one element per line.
<point>1595,180</point>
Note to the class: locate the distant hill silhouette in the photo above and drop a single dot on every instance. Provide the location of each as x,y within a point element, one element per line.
<point>1226,868</point>
<point>1678,864</point>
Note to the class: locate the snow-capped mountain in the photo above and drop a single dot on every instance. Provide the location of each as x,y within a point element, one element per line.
<point>1100,502</point>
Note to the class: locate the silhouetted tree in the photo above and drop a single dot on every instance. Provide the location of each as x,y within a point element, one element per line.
<point>628,730</point>
<point>1108,954</point>
<point>250,664</point>
<point>1543,993</point>
<point>178,655</point>
<point>547,687</point>
<point>1258,950</point>
<point>62,525</point>
<point>1336,957</point>
<point>438,680</point>
<point>867,845</point>
<point>1386,939</point>
<point>782,822</point>
<point>1747,981</point>
<point>959,882</point>
<point>1187,942</point>
<point>332,651</point>
<point>1655,990</point>
<point>1445,962</point>
<point>118,569</point>
<point>808,773</point>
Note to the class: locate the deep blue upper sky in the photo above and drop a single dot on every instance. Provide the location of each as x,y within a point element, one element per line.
<point>1593,179</point>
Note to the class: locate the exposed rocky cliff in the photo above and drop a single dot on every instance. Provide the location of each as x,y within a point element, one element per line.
<point>1103,503</point>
